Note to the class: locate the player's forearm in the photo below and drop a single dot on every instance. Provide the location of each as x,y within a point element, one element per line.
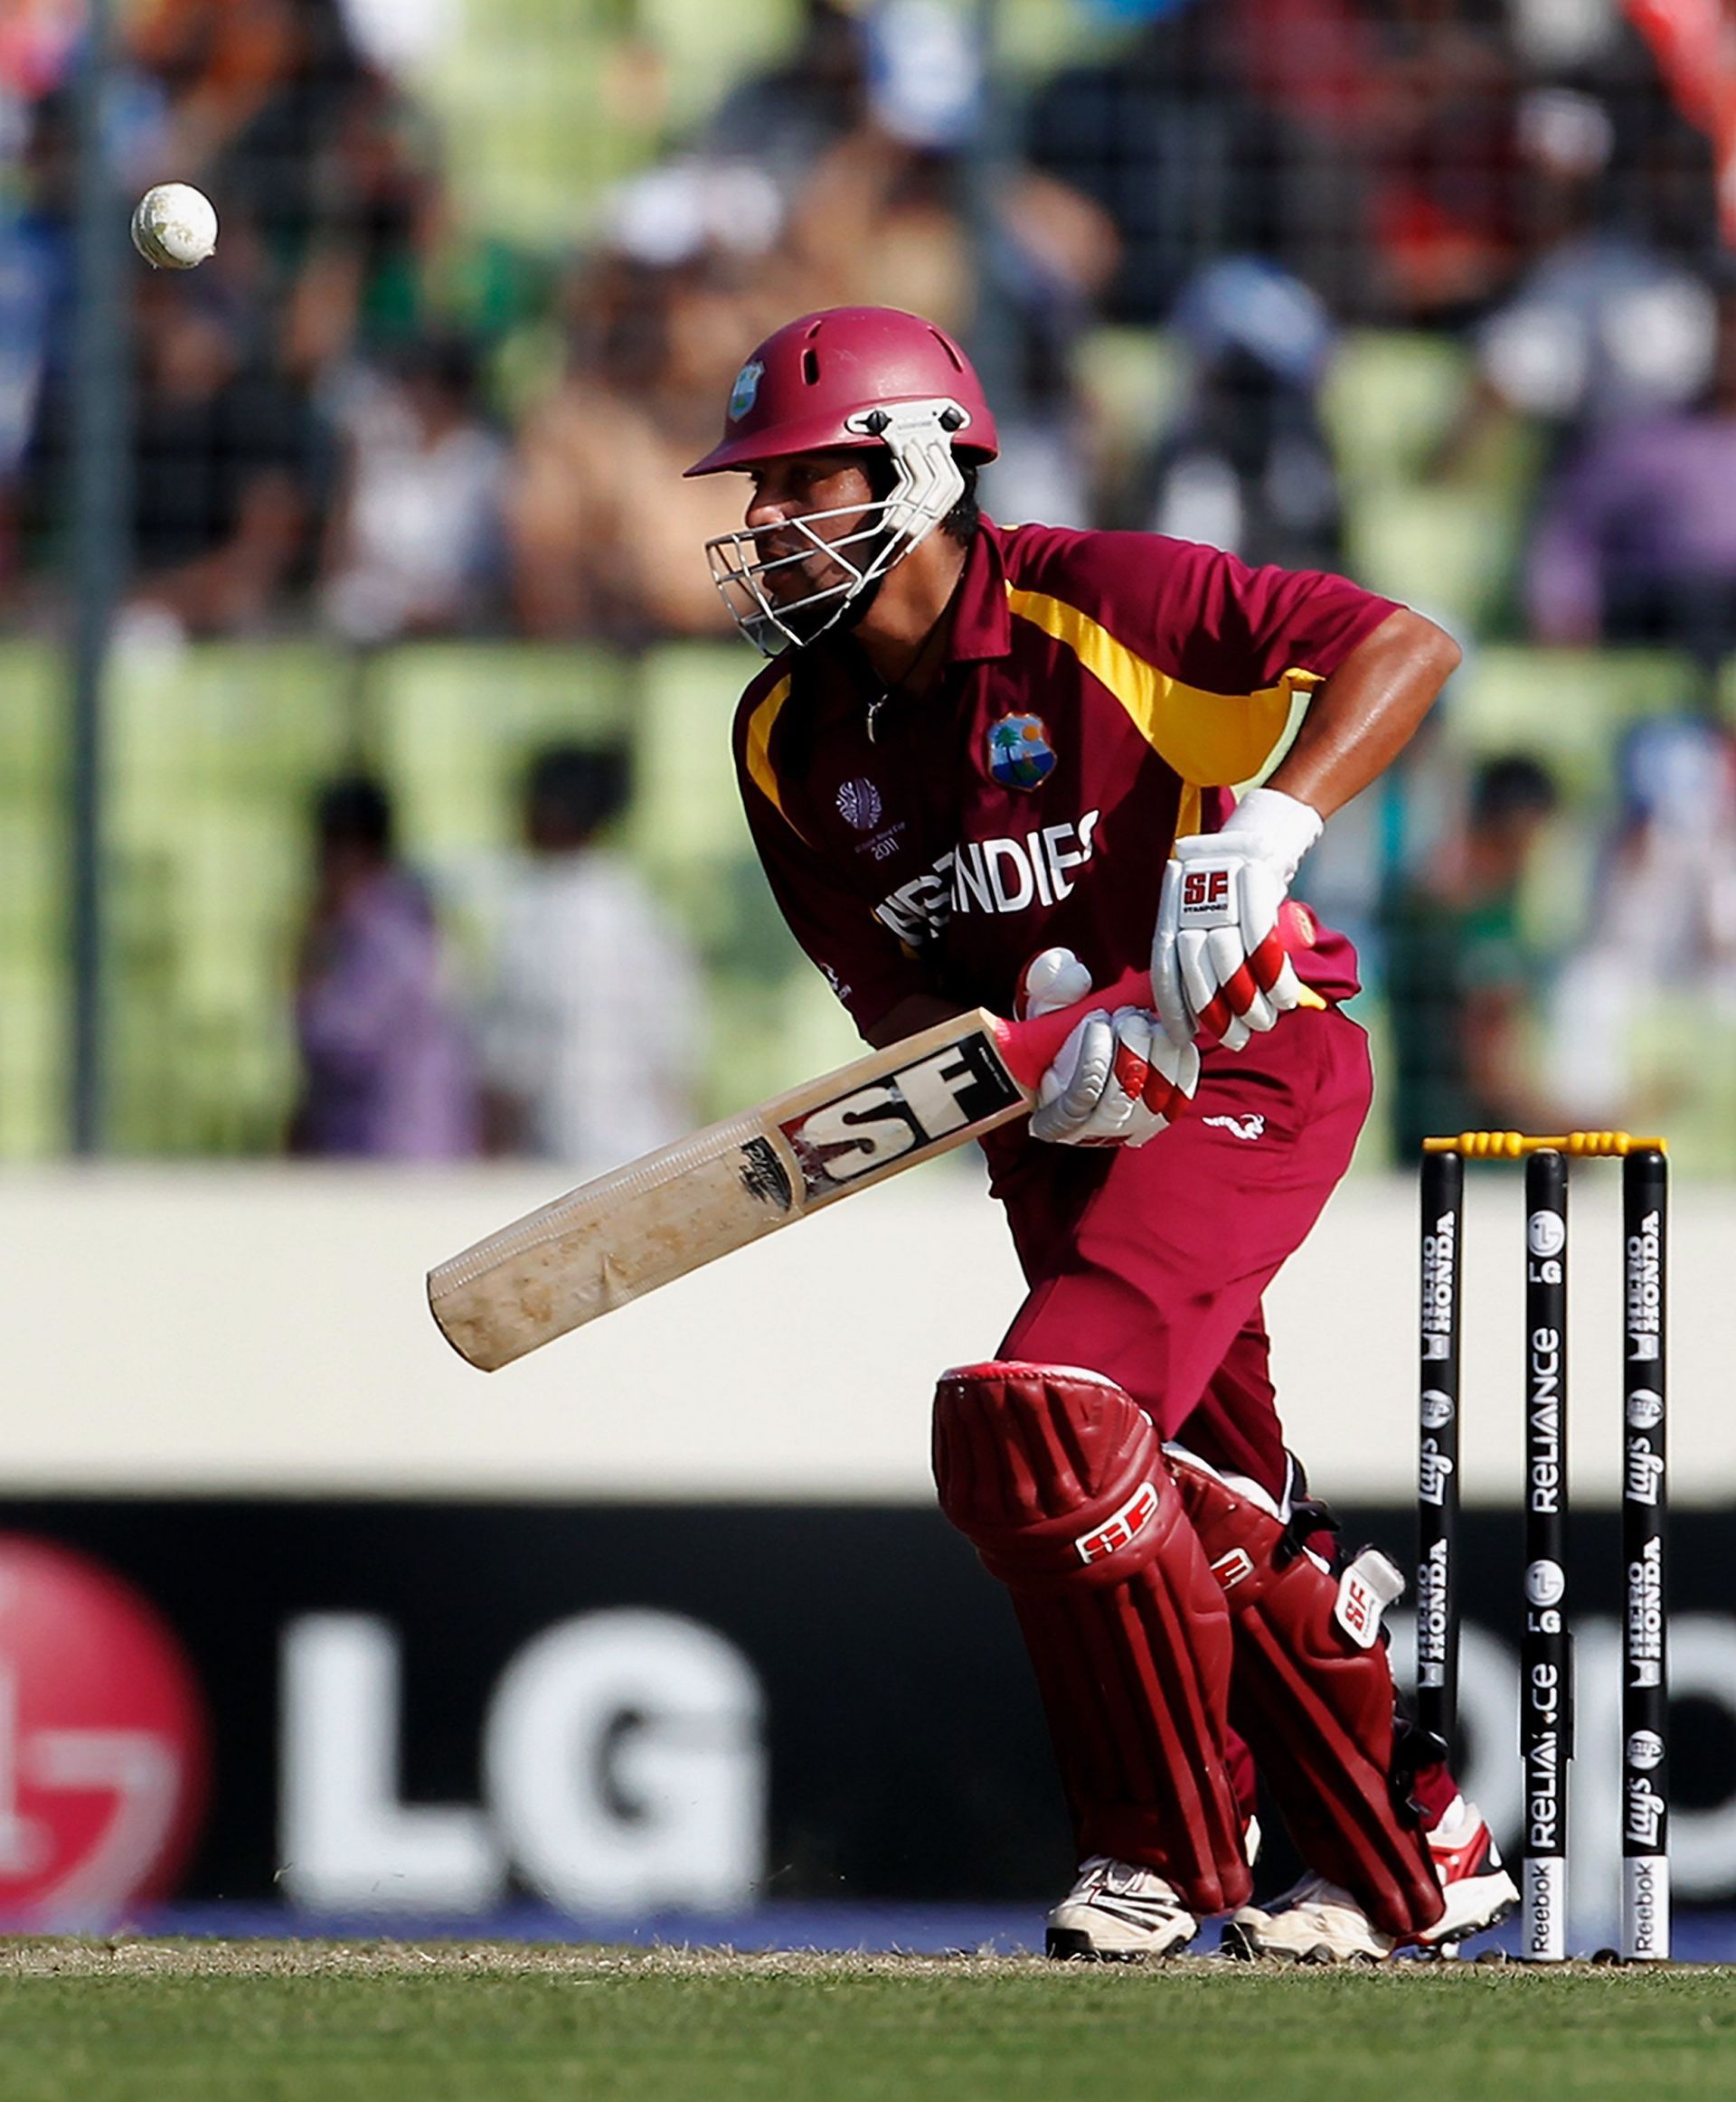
<point>1365,713</point>
<point>918,1011</point>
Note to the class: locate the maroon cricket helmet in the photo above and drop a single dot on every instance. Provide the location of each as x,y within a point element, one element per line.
<point>806,388</point>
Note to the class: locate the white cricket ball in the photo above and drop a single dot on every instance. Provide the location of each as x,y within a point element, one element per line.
<point>175,226</point>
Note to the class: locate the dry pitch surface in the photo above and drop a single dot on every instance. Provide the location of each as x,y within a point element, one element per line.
<point>120,2021</point>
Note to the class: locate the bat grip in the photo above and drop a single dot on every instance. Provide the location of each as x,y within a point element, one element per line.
<point>1029,1047</point>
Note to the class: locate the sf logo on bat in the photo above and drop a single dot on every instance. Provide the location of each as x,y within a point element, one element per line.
<point>924,1104</point>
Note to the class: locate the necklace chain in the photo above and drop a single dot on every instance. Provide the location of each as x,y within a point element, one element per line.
<point>879,700</point>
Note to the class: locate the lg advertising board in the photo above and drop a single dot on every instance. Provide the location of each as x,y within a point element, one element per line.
<point>410,1711</point>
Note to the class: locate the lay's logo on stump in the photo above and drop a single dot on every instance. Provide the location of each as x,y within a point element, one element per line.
<point>1019,752</point>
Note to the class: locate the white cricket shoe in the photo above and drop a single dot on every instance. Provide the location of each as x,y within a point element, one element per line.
<point>1314,1922</point>
<point>1117,1914</point>
<point>1478,1890</point>
<point>1318,1923</point>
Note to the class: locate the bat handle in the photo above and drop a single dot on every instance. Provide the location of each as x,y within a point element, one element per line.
<point>1029,1048</point>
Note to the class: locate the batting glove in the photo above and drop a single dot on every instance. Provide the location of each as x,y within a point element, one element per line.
<point>1218,966</point>
<point>1118,1080</point>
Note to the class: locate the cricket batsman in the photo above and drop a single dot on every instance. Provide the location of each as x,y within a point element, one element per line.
<point>994,765</point>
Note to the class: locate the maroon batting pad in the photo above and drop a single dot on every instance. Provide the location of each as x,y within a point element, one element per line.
<point>1060,1482</point>
<point>1315,1707</point>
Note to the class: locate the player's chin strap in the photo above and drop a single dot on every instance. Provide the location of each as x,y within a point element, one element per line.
<point>928,481</point>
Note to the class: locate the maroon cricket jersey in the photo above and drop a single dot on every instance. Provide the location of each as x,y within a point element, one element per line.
<point>1103,692</point>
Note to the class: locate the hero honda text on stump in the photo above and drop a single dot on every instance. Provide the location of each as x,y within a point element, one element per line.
<point>1645,1689</point>
<point>1546,1664</point>
<point>615,1239</point>
<point>1443,1223</point>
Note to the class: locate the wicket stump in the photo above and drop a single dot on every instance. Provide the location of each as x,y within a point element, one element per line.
<point>1546,1656</point>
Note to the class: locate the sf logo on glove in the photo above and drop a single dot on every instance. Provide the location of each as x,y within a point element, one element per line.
<point>1207,897</point>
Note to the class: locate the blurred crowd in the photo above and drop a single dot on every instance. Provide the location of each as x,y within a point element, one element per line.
<point>369,417</point>
<point>584,1045</point>
<point>363,414</point>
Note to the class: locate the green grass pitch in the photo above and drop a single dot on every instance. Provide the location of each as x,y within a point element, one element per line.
<point>191,2021</point>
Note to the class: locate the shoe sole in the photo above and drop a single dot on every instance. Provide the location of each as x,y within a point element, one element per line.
<point>1072,1944</point>
<point>1240,1948</point>
<point>1456,1936</point>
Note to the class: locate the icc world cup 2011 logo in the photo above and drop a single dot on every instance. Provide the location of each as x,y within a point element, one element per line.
<point>102,1744</point>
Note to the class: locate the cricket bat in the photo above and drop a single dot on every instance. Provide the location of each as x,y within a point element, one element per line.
<point>621,1236</point>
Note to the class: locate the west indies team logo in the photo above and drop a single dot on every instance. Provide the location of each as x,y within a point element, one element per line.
<point>1019,752</point>
<point>746,391</point>
<point>102,1743</point>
